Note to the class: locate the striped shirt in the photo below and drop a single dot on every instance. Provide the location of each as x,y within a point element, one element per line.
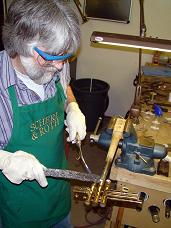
<point>25,96</point>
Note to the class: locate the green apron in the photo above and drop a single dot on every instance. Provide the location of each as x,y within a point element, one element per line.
<point>38,129</point>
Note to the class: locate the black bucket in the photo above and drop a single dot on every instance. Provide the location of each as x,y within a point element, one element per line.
<point>92,97</point>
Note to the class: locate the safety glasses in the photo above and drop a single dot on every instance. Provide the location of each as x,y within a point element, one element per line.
<point>48,60</point>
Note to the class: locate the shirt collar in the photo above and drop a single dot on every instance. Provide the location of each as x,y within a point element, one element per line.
<point>7,72</point>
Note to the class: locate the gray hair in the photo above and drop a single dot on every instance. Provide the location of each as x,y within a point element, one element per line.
<point>48,23</point>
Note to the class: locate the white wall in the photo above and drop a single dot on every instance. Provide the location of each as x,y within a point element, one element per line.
<point>117,66</point>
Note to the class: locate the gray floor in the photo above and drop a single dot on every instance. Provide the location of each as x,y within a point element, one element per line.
<point>95,158</point>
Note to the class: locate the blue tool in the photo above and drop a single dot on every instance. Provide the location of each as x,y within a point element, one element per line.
<point>137,155</point>
<point>158,110</point>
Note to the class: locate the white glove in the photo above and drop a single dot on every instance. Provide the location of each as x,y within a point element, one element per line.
<point>21,166</point>
<point>75,122</point>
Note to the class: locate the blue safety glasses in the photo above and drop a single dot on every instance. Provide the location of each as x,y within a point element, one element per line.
<point>48,57</point>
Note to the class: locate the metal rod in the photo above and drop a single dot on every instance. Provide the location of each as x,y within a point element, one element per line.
<point>84,18</point>
<point>97,125</point>
<point>143,28</point>
<point>81,157</point>
<point>69,174</point>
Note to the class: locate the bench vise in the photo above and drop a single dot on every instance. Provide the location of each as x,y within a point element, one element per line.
<point>137,154</point>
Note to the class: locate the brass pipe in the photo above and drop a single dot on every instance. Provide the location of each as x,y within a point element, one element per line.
<point>88,200</point>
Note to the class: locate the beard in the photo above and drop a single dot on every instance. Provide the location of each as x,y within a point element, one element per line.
<point>40,75</point>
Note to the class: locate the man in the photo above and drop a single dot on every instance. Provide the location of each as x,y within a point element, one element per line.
<point>39,36</point>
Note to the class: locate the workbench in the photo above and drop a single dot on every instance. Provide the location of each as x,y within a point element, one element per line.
<point>157,188</point>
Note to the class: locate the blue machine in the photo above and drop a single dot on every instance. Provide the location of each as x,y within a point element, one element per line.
<point>136,155</point>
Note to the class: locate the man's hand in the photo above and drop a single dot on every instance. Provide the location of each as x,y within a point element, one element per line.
<point>20,166</point>
<point>75,122</point>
